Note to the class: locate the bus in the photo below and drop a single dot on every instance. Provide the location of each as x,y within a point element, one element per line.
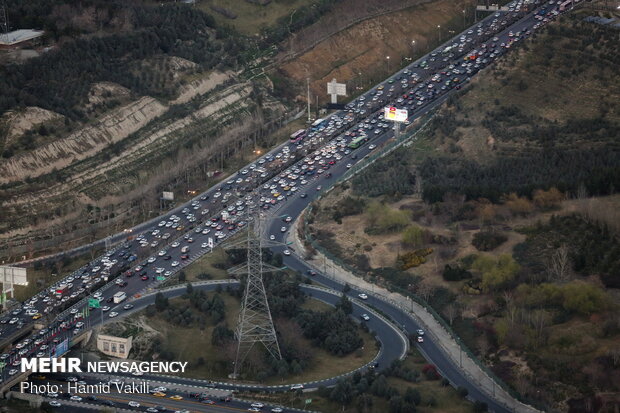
<point>317,124</point>
<point>357,142</point>
<point>299,135</point>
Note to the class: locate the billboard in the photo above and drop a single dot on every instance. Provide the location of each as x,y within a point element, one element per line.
<point>395,114</point>
<point>61,348</point>
<point>13,275</point>
<point>167,196</point>
<point>335,88</point>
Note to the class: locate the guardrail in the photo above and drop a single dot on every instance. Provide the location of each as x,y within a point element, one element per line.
<point>359,167</point>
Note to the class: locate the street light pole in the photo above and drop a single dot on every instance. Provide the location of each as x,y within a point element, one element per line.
<point>388,62</point>
<point>413,49</point>
<point>439,30</point>
<point>464,19</point>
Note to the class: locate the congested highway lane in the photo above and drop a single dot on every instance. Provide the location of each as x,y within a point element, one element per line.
<point>356,123</point>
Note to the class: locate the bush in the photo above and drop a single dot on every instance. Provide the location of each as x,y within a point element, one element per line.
<point>488,240</point>
<point>455,273</point>
<point>413,258</point>
<point>462,391</point>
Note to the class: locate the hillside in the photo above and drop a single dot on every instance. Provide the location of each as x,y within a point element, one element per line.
<point>87,147</point>
<point>490,217</point>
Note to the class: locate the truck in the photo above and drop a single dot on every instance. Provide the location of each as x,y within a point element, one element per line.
<point>119,296</point>
<point>61,289</point>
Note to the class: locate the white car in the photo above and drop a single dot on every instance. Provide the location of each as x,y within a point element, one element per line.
<point>297,387</point>
<point>283,229</point>
<point>257,405</point>
<point>277,410</point>
<point>286,252</point>
<point>272,237</point>
<point>363,296</point>
<point>55,403</point>
<point>133,404</point>
<point>175,263</point>
<point>420,339</point>
<point>420,332</point>
<point>76,398</point>
<point>113,314</point>
<point>365,317</point>
<point>175,244</point>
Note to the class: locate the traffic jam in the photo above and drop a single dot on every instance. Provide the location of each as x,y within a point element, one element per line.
<point>295,169</point>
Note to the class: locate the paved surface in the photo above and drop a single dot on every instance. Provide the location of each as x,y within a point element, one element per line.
<point>425,319</point>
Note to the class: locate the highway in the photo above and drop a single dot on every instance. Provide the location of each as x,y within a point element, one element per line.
<point>393,346</point>
<point>281,184</point>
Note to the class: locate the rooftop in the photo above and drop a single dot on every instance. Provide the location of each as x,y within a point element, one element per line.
<point>18,36</point>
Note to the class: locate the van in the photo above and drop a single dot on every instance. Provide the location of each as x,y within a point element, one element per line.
<point>185,249</point>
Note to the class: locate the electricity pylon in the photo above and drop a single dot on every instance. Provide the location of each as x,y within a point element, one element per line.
<point>255,323</point>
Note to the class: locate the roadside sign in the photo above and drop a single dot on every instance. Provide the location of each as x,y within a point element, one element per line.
<point>160,278</point>
<point>308,401</point>
<point>94,303</point>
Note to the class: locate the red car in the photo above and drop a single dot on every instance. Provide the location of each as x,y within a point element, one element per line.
<point>144,277</point>
<point>184,256</point>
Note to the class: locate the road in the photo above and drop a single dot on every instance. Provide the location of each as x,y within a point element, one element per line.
<point>281,184</point>
<point>393,346</point>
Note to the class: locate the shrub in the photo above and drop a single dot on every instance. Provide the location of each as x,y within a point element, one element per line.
<point>488,240</point>
<point>455,273</point>
<point>413,258</point>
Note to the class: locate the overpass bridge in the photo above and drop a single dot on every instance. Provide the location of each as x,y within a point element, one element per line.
<point>11,381</point>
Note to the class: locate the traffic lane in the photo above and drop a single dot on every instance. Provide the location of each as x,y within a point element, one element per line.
<point>429,349</point>
<point>392,344</point>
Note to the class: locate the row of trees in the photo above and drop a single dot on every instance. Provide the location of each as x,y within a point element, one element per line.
<point>60,79</point>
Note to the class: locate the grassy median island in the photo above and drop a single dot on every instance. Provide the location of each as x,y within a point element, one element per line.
<point>316,340</point>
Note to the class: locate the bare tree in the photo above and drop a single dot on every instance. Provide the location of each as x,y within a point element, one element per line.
<point>425,290</point>
<point>558,265</point>
<point>452,311</point>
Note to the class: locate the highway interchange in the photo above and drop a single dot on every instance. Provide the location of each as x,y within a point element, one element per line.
<point>281,183</point>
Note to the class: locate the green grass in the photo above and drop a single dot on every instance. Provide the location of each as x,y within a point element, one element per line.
<point>251,18</point>
<point>176,340</point>
<point>208,264</point>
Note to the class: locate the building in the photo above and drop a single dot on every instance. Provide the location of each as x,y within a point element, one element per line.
<point>114,346</point>
<point>19,38</point>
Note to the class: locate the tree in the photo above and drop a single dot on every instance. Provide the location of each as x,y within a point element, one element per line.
<point>345,304</point>
<point>496,273</point>
<point>452,311</point>
<point>412,236</point>
<point>583,298</point>
<point>546,200</point>
<point>559,264</point>
<point>425,290</point>
<point>412,396</point>
<point>342,392</point>
<point>161,302</point>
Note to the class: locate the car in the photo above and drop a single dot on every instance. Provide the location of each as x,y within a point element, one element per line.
<point>159,394</point>
<point>76,398</point>
<point>208,401</point>
<point>420,332</point>
<point>297,387</point>
<point>286,252</point>
<point>37,316</point>
<point>152,410</point>
<point>176,397</point>
<point>127,306</point>
<point>420,339</point>
<point>272,237</point>
<point>176,263</point>
<point>257,405</point>
<point>283,229</point>
<point>113,314</point>
<point>277,410</point>
<point>132,403</point>
<point>365,317</point>
<point>363,296</point>
<point>303,195</point>
<point>105,308</point>
<point>55,403</point>
<point>253,409</point>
